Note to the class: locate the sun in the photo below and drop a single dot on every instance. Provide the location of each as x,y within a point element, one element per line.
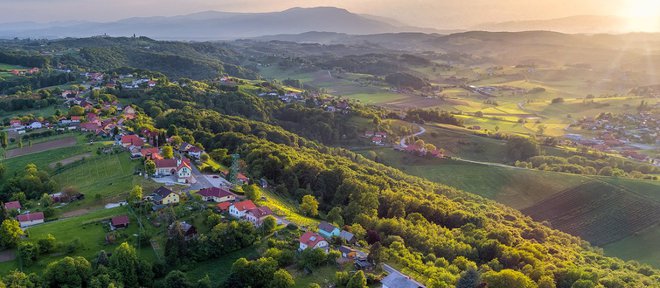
<point>643,15</point>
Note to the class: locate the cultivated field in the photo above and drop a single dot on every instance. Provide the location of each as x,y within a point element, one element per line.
<point>44,146</point>
<point>596,213</point>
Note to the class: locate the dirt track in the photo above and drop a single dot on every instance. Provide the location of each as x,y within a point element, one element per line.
<point>40,147</point>
<point>70,160</point>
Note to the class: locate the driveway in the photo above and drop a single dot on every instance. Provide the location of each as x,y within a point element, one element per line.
<point>201,181</point>
<point>422,130</point>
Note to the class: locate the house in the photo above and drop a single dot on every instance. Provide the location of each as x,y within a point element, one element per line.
<point>398,280</point>
<point>347,236</point>
<point>347,252</point>
<point>27,220</point>
<point>313,241</point>
<point>377,140</point>
<point>131,140</point>
<point>35,125</point>
<point>166,167</point>
<point>75,119</point>
<point>164,196</point>
<point>13,205</point>
<point>224,206</point>
<point>239,209</point>
<point>242,179</point>
<point>217,195</point>
<point>328,230</point>
<point>151,153</point>
<point>15,123</point>
<point>152,83</point>
<point>183,172</point>
<point>257,215</point>
<point>195,152</point>
<point>188,230</point>
<point>185,146</point>
<point>135,152</point>
<point>119,222</point>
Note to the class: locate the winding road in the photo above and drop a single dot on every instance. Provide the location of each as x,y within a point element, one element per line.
<point>422,130</point>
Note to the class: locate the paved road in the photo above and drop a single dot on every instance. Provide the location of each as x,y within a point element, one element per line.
<point>422,130</point>
<point>201,183</point>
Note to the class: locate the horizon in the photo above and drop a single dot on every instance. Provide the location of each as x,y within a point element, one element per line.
<point>640,15</point>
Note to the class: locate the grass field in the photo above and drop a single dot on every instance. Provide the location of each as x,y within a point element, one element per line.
<point>90,229</point>
<point>219,269</point>
<point>282,206</point>
<point>636,247</point>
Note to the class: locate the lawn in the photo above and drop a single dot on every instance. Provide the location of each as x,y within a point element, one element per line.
<point>90,229</point>
<point>110,176</point>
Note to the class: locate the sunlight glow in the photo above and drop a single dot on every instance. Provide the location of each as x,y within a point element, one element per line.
<point>643,15</point>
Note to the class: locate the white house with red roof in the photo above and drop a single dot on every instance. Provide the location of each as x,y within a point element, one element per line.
<point>27,220</point>
<point>15,123</point>
<point>195,152</point>
<point>313,241</point>
<point>239,209</point>
<point>178,167</point>
<point>257,215</point>
<point>217,195</point>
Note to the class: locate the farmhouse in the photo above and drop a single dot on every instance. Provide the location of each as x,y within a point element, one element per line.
<point>131,140</point>
<point>13,205</point>
<point>239,209</point>
<point>328,230</point>
<point>119,222</point>
<point>257,215</point>
<point>27,220</point>
<point>313,241</point>
<point>164,196</point>
<point>217,195</point>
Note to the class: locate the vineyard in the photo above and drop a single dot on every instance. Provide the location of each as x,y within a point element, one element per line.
<point>598,212</point>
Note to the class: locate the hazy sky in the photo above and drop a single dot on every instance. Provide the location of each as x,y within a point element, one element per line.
<point>428,13</point>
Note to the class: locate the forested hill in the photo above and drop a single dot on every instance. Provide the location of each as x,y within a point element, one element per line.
<point>437,234</point>
<point>174,59</point>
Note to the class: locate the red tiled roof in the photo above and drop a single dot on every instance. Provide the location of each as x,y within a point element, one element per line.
<point>132,139</point>
<point>214,192</point>
<point>260,212</point>
<point>311,239</point>
<point>245,205</point>
<point>30,217</point>
<point>165,163</point>
<point>149,151</point>
<point>119,220</point>
<point>223,206</point>
<point>183,164</point>
<point>75,117</point>
<point>240,176</point>
<point>13,205</point>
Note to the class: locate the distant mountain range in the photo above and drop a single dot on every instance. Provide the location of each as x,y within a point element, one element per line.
<point>581,24</point>
<point>214,25</point>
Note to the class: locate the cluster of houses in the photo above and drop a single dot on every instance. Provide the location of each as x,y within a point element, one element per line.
<point>377,138</point>
<point>30,71</point>
<point>620,133</point>
<point>421,151</point>
<point>98,80</point>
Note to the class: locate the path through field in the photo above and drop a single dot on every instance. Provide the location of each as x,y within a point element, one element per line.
<point>422,130</point>
<point>40,147</point>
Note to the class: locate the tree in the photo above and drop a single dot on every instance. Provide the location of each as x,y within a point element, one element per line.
<point>334,216</point>
<point>469,279</point>
<point>282,279</point>
<point>168,152</point>
<point>76,110</point>
<point>268,224</point>
<point>10,233</point>
<point>150,167</point>
<point>204,157</point>
<point>375,253</point>
<point>176,279</point>
<point>68,272</point>
<point>309,205</point>
<point>521,148</point>
<point>47,245</point>
<point>124,260</point>
<point>205,282</point>
<point>507,278</point>
<point>136,195</point>
<point>4,140</point>
<point>357,280</point>
<point>176,141</point>
<point>18,279</point>
<point>252,192</point>
<point>28,252</point>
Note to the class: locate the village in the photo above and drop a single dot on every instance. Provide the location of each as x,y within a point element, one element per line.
<point>624,134</point>
<point>174,166</point>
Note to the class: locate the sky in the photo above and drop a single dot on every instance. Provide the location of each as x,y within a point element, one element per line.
<point>440,14</point>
